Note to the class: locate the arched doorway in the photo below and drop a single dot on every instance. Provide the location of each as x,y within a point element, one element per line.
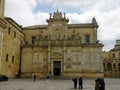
<point>109,66</point>
<point>109,69</point>
<point>119,69</point>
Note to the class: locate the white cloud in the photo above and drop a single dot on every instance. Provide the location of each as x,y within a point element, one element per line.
<point>41,17</point>
<point>106,12</point>
<point>21,11</point>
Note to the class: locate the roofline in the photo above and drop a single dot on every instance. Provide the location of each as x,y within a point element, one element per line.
<point>35,27</point>
<point>18,26</point>
<point>84,25</point>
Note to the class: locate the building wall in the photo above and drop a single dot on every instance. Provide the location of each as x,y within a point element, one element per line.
<point>1,42</point>
<point>11,48</point>
<point>78,61</point>
<point>112,61</point>
<point>64,43</point>
<point>2,27</point>
<point>2,8</point>
<point>57,41</point>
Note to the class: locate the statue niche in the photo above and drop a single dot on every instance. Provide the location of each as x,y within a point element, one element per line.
<point>57,34</point>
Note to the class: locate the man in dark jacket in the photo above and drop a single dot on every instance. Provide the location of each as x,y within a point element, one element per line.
<point>80,83</point>
<point>102,82</point>
<point>97,84</point>
<point>34,77</point>
<point>75,82</point>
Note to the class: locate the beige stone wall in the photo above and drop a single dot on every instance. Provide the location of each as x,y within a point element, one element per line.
<point>29,34</point>
<point>2,27</point>
<point>82,32</point>
<point>79,33</point>
<point>66,43</point>
<point>34,61</point>
<point>11,47</point>
<point>1,42</point>
<point>112,61</point>
<point>78,61</point>
<point>2,8</point>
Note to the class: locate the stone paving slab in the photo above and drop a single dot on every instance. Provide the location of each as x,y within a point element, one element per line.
<point>28,84</point>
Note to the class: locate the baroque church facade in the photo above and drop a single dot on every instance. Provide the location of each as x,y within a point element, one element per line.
<point>56,49</point>
<point>62,49</point>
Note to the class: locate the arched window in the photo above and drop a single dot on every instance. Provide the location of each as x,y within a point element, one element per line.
<point>119,55</point>
<point>113,55</point>
<point>109,67</point>
<point>104,66</point>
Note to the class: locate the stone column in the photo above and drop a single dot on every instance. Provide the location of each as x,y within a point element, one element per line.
<point>64,59</point>
<point>49,61</point>
<point>1,42</point>
<point>95,35</point>
<point>64,32</point>
<point>32,62</point>
<point>2,8</point>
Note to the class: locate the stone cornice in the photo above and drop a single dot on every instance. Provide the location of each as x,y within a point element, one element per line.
<point>35,27</point>
<point>85,25</point>
<point>73,45</point>
<point>12,22</point>
<point>70,26</point>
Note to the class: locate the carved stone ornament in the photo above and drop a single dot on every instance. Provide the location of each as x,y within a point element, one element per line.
<point>57,54</point>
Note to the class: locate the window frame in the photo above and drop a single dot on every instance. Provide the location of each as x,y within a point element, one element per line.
<point>7,57</point>
<point>87,38</point>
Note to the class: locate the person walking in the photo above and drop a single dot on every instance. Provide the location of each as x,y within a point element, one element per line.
<point>34,77</point>
<point>80,83</point>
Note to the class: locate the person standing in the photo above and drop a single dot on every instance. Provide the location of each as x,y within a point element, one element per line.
<point>34,77</point>
<point>97,84</point>
<point>80,83</point>
<point>48,79</point>
<point>102,82</point>
<point>75,82</point>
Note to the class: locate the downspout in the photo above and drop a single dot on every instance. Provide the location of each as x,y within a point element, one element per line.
<point>19,72</point>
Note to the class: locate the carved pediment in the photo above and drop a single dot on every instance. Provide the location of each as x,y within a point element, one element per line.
<point>56,55</point>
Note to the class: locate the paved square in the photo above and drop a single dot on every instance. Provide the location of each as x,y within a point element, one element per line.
<point>28,84</point>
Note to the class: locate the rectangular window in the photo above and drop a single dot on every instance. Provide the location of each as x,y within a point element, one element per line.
<point>6,57</point>
<point>119,55</point>
<point>9,30</point>
<point>87,39</point>
<point>12,59</point>
<point>0,38</point>
<point>0,50</point>
<point>33,39</point>
<point>14,34</point>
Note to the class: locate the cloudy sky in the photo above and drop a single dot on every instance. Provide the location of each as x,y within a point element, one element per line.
<point>106,12</point>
